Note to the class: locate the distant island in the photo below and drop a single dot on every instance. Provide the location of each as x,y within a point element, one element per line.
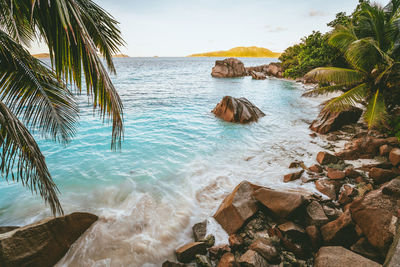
<point>47,55</point>
<point>252,51</point>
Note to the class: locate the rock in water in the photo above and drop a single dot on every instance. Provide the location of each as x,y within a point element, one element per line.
<point>328,121</point>
<point>45,242</point>
<point>228,68</point>
<point>275,69</point>
<point>239,110</point>
<point>258,75</point>
<point>237,207</point>
<point>340,257</point>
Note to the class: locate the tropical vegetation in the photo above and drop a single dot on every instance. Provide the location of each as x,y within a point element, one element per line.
<point>370,43</point>
<point>35,98</point>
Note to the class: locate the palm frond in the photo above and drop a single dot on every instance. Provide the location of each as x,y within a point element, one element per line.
<point>67,28</point>
<point>22,160</point>
<point>324,90</point>
<point>34,94</point>
<point>348,99</point>
<point>363,54</point>
<point>336,75</point>
<point>376,110</point>
<point>342,37</point>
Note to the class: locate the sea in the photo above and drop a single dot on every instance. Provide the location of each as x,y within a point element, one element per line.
<point>177,161</point>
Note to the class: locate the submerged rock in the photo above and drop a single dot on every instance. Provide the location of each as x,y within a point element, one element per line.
<point>328,121</point>
<point>258,75</point>
<point>239,110</point>
<point>340,257</point>
<point>228,68</point>
<point>45,242</point>
<point>199,230</point>
<point>237,207</point>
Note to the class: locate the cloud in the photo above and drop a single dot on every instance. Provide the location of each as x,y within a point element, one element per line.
<point>270,28</point>
<point>317,13</point>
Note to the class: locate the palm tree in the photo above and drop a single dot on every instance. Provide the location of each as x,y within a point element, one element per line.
<point>370,44</point>
<point>37,98</point>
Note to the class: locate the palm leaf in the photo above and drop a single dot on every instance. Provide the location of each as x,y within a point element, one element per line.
<point>348,99</point>
<point>363,54</point>
<point>34,94</point>
<point>324,90</point>
<point>342,37</point>
<point>376,110</point>
<point>336,75</point>
<point>22,160</point>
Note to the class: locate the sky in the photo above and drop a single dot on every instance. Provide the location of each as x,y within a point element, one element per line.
<point>184,27</point>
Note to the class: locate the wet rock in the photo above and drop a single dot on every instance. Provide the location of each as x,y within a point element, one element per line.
<point>227,260</point>
<point>188,252</point>
<point>172,264</point>
<point>26,246</point>
<point>238,110</point>
<point>346,194</point>
<point>315,237</point>
<point>292,229</point>
<point>275,69</point>
<point>316,168</point>
<point>258,75</point>
<point>252,259</point>
<point>237,207</point>
<point>267,249</point>
<point>331,213</point>
<point>393,256</point>
<point>5,229</point>
<point>199,230</point>
<point>381,176</point>
<point>340,257</point>
<point>328,121</point>
<point>297,164</point>
<point>384,150</point>
<point>394,156</point>
<point>315,214</point>
<point>235,240</point>
<point>208,240</point>
<point>364,248</point>
<point>351,173</point>
<point>392,188</point>
<point>340,231</point>
<point>203,261</point>
<point>228,68</point>
<point>335,174</point>
<point>365,147</point>
<point>374,214</point>
<point>280,203</point>
<point>327,187</point>
<point>216,252</point>
<point>324,158</point>
<point>292,176</point>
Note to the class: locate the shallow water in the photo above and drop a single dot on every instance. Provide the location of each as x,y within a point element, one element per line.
<point>177,160</point>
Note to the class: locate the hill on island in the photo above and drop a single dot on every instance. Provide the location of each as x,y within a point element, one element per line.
<point>252,51</point>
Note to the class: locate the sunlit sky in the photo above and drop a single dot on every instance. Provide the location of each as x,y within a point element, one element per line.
<point>183,27</point>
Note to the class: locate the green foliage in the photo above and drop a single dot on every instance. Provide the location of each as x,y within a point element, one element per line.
<point>313,51</point>
<point>370,44</point>
<point>394,125</point>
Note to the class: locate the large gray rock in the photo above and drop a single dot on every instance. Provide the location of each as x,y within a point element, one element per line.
<point>340,257</point>
<point>239,110</point>
<point>43,243</point>
<point>328,121</point>
<point>228,68</point>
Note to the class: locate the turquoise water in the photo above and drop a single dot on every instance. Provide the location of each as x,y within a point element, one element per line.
<point>177,160</point>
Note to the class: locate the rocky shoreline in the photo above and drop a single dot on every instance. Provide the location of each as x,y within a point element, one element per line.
<point>352,222</point>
